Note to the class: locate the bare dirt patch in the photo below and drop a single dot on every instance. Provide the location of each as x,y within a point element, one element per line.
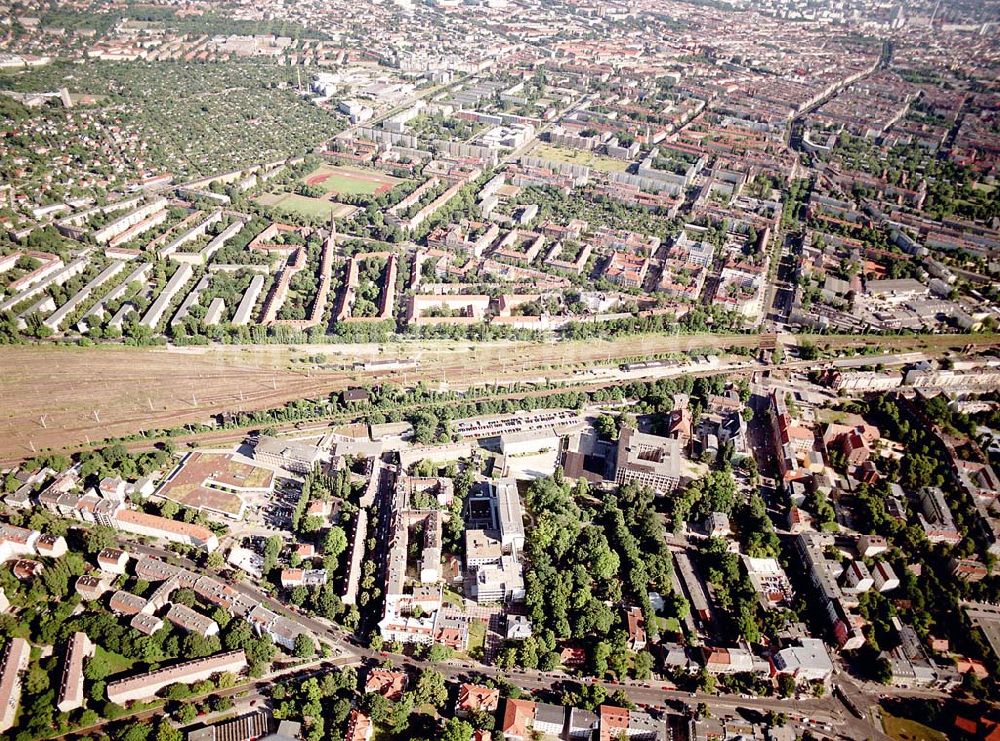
<point>53,397</point>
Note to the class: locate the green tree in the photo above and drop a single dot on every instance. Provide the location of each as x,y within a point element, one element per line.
<point>527,655</point>
<point>376,707</point>
<point>599,658</point>
<point>507,658</point>
<point>883,671</point>
<point>97,538</point>
<point>548,661</point>
<point>399,716</point>
<point>340,710</point>
<point>238,635</point>
<point>186,713</point>
<point>456,729</point>
<point>677,606</point>
<point>439,652</point>
<point>311,524</point>
<point>166,732</point>
<point>135,732</point>
<point>786,685</point>
<point>431,688</point>
<point>334,542</point>
<point>606,427</point>
<point>706,682</point>
<point>271,550</point>
<point>643,665</point>
<point>305,647</point>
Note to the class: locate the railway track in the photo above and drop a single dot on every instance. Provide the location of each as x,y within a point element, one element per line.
<point>28,429</point>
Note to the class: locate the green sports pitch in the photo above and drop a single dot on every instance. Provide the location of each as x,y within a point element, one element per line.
<point>350,180</point>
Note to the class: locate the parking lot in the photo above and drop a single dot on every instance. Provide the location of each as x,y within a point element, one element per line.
<point>276,512</point>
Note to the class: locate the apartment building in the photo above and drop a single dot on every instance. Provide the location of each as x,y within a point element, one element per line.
<point>112,560</point>
<point>499,582</point>
<point>626,270</point>
<point>71,684</point>
<point>474,698</point>
<point>152,526</point>
<point>15,662</point>
<point>935,518</point>
<point>510,514</point>
<point>824,573</point>
<point>146,685</point>
<point>191,621</point>
<point>809,661</point>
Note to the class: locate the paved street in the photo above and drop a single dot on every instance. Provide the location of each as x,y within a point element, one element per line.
<point>823,711</point>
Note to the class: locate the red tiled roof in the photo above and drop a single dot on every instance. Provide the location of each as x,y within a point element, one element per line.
<point>389,684</point>
<point>474,697</point>
<point>517,717</point>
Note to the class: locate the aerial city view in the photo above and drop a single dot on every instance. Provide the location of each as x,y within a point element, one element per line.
<point>500,370</point>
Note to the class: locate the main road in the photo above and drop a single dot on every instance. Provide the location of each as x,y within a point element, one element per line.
<point>806,711</point>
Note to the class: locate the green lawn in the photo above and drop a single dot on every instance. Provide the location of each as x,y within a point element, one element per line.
<point>453,598</point>
<point>903,729</point>
<point>116,662</point>
<point>351,185</point>
<point>670,625</point>
<point>580,157</point>
<point>477,637</point>
<point>427,709</point>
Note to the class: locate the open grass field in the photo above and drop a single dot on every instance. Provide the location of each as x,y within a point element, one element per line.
<point>350,180</point>
<point>670,625</point>
<point>579,157</point>
<point>60,397</point>
<point>334,181</point>
<point>903,729</point>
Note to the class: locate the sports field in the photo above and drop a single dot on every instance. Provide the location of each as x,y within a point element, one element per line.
<point>350,180</point>
<point>306,206</point>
